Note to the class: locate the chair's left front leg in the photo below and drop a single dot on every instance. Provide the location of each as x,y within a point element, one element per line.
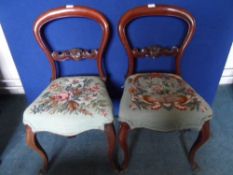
<point>203,136</point>
<point>111,137</point>
<point>34,144</point>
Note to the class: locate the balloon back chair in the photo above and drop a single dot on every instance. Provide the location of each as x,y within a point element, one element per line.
<point>75,104</point>
<point>160,101</point>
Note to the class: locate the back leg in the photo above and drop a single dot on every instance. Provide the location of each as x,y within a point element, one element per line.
<point>203,136</point>
<point>33,143</point>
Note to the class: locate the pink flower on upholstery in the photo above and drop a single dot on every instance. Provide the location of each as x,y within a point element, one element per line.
<point>64,96</point>
<point>95,88</point>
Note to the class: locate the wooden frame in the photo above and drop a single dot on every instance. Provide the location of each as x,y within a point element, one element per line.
<point>74,54</point>
<point>159,10</point>
<point>76,11</point>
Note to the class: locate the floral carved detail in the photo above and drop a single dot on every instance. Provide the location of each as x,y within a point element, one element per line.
<point>155,91</point>
<point>74,54</point>
<point>67,95</point>
<point>155,51</point>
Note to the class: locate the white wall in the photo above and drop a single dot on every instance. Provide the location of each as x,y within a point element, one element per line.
<point>227,76</point>
<point>9,77</point>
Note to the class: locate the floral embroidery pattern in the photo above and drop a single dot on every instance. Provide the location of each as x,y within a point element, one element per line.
<point>156,90</point>
<point>73,95</point>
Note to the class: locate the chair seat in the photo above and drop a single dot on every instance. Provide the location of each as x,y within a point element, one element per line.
<point>69,106</point>
<point>162,102</point>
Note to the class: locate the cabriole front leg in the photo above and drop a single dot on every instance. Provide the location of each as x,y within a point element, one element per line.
<point>203,136</point>
<point>33,143</point>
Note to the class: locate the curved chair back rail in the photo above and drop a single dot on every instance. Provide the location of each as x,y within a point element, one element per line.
<point>74,54</point>
<point>156,51</point>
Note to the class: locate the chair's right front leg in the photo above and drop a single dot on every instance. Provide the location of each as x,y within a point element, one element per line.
<point>123,136</point>
<point>33,143</point>
<point>203,136</point>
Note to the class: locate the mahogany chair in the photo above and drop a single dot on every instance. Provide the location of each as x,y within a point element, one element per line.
<point>71,105</point>
<point>160,101</point>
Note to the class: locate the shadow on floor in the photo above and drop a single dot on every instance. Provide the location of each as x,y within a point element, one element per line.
<point>11,110</point>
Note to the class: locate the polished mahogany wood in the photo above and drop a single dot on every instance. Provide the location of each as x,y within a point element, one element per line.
<point>33,143</point>
<point>202,138</point>
<point>123,136</point>
<point>66,12</point>
<point>74,54</point>
<point>154,51</point>
<point>157,51</point>
<point>111,137</point>
<point>158,10</point>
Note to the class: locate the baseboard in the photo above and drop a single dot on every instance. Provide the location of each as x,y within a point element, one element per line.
<point>226,80</point>
<point>11,87</point>
<point>227,76</point>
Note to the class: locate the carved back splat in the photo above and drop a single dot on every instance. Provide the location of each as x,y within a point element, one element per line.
<point>156,51</point>
<point>74,54</point>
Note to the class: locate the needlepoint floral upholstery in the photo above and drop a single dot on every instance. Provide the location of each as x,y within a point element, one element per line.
<point>163,102</point>
<point>70,105</point>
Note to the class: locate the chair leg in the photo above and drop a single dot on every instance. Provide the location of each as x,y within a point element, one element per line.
<point>123,135</point>
<point>33,143</point>
<point>203,136</point>
<point>111,137</point>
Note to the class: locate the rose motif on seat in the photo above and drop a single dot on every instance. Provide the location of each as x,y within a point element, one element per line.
<point>68,95</point>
